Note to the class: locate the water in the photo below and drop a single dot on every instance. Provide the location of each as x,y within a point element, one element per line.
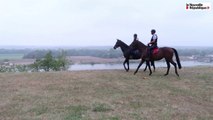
<point>77,67</point>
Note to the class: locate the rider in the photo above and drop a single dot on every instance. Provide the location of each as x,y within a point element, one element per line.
<point>134,51</point>
<point>153,43</point>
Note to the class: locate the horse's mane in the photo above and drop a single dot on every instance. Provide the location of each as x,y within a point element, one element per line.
<point>140,43</point>
<point>125,45</point>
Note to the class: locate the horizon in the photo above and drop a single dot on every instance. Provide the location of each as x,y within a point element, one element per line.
<point>90,47</point>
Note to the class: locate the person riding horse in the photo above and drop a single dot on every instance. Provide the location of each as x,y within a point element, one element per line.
<point>162,52</point>
<point>152,44</point>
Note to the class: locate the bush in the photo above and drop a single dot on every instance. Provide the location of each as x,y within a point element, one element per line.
<point>51,63</point>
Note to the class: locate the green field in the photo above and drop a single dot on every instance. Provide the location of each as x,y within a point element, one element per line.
<point>11,56</point>
<point>107,95</point>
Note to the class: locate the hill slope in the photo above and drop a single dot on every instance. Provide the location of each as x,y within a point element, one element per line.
<point>107,95</point>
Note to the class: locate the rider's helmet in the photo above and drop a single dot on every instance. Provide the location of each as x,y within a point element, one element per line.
<point>153,31</point>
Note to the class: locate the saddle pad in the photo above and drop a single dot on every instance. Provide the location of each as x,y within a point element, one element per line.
<point>155,50</point>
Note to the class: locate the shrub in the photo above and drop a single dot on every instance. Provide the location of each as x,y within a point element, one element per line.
<point>51,63</point>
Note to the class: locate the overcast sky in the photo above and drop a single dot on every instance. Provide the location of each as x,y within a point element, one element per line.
<point>101,22</point>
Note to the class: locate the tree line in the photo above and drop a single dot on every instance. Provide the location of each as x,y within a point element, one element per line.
<point>103,53</point>
<point>198,52</point>
<point>111,53</point>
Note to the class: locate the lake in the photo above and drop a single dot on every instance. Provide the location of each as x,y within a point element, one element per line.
<point>76,67</point>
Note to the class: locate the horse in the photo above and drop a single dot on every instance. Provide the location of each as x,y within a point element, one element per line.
<point>163,52</point>
<point>129,55</point>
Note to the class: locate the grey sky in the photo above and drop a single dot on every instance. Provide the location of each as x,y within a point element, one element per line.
<point>101,22</point>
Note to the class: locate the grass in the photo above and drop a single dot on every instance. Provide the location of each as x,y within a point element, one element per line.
<point>75,112</point>
<point>101,107</point>
<point>39,110</point>
<point>107,95</point>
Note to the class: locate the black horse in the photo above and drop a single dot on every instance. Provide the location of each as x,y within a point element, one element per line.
<point>129,54</point>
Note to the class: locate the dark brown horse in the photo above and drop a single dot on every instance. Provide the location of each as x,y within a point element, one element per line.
<point>129,55</point>
<point>164,52</point>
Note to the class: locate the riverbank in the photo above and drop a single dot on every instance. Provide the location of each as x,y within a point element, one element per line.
<point>107,95</point>
<point>133,65</point>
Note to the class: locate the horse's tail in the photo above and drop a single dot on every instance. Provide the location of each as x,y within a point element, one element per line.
<point>177,58</point>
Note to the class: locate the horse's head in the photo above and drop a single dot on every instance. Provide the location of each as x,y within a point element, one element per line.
<point>117,44</point>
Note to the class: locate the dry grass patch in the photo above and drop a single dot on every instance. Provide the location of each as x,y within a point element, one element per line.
<point>107,95</point>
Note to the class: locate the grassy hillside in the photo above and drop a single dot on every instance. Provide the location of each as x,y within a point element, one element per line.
<point>107,95</point>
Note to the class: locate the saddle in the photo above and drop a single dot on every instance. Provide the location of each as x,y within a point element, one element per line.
<point>155,51</point>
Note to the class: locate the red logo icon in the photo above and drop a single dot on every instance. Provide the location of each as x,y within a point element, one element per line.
<point>187,6</point>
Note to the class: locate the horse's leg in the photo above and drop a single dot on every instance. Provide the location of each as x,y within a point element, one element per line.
<point>168,67</point>
<point>142,61</point>
<point>125,65</point>
<point>175,65</point>
<point>150,70</point>
<point>145,68</point>
<point>153,64</point>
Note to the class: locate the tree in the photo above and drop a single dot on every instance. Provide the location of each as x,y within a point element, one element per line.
<point>51,63</point>
<point>47,62</point>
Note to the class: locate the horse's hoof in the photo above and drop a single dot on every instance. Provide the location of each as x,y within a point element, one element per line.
<point>134,73</point>
<point>165,74</point>
<point>150,74</point>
